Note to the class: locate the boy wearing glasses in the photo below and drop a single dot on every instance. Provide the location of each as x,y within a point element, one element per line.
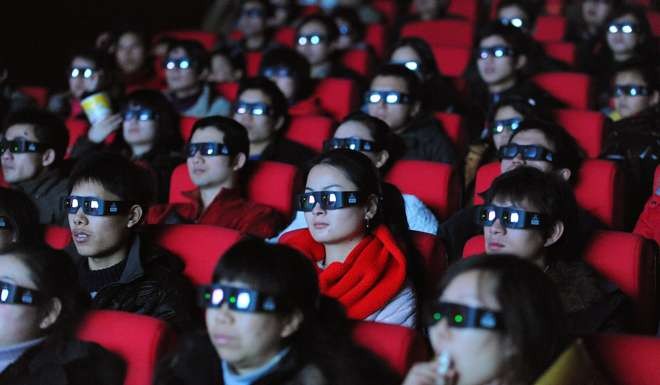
<point>119,268</point>
<point>31,149</point>
<point>217,151</point>
<point>394,98</point>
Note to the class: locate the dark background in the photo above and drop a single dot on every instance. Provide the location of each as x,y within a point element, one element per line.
<point>37,37</point>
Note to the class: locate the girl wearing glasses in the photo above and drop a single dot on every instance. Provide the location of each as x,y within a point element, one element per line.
<point>495,320</point>
<point>41,306</point>
<point>267,323</point>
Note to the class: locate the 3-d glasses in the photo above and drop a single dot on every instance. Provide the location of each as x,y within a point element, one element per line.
<point>623,28</point>
<point>329,200</point>
<point>630,90</point>
<point>252,12</point>
<point>514,22</point>
<point>238,298</point>
<point>20,146</point>
<point>182,63</point>
<point>389,97</point>
<point>141,114</point>
<point>95,206</point>
<point>85,72</point>
<point>14,294</point>
<point>496,52</point>
<point>279,72</point>
<point>499,126</point>
<point>529,152</point>
<point>255,109</point>
<point>410,64</point>
<point>510,217</point>
<point>462,316</point>
<point>310,39</point>
<point>355,144</point>
<point>206,149</point>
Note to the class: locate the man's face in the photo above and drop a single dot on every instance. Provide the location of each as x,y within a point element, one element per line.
<point>312,42</point>
<point>623,43</point>
<point>252,21</point>
<point>83,76</point>
<point>529,138</point>
<point>178,78</point>
<point>398,115</point>
<point>209,172</point>
<point>260,128</point>
<point>630,100</point>
<point>130,54</point>
<point>595,12</point>
<point>20,167</point>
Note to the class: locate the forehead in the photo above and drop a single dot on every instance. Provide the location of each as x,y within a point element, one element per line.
<point>629,77</point>
<point>82,62</point>
<point>207,134</point>
<point>473,288</point>
<point>524,204</point>
<point>254,95</point>
<point>177,53</point>
<point>512,10</point>
<point>312,27</point>
<point>252,5</point>
<point>322,176</point>
<point>13,270</point>
<point>129,38</point>
<point>21,130</point>
<point>93,189</point>
<point>394,83</point>
<point>353,129</point>
<point>627,18</point>
<point>532,137</point>
<point>405,53</point>
<point>507,112</point>
<point>492,41</point>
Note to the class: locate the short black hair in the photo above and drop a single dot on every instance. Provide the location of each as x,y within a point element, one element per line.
<point>49,129</point>
<point>195,51</point>
<point>518,40</point>
<point>115,174</point>
<point>267,6</point>
<point>423,49</point>
<point>233,55</point>
<point>268,87</point>
<point>400,71</point>
<point>297,65</point>
<point>235,135</point>
<point>647,72</point>
<point>329,25</point>
<point>527,107</point>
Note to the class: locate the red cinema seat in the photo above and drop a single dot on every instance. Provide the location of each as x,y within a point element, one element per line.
<point>654,19</point>
<point>310,131</point>
<point>227,89</point>
<point>77,128</point>
<point>57,237</point>
<point>433,253</point>
<point>358,60</point>
<point>140,340</point>
<point>562,51</point>
<point>572,88</point>
<point>453,125</point>
<point>398,345</point>
<point>375,37</point>
<point>186,124</point>
<point>485,176</point>
<point>387,8</point>
<point>199,246</point>
<point>446,32</point>
<point>474,246</point>
<point>626,359</point>
<point>39,94</point>
<point>452,61</point>
<point>435,184</point>
<point>286,36</point>
<point>587,127</point>
<point>180,182</point>
<point>207,39</point>
<point>549,28</point>
<point>338,96</point>
<point>252,63</point>
<point>468,9</point>
<point>3,182</point>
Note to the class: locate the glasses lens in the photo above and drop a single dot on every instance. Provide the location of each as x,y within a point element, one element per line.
<point>374,97</point>
<point>243,301</point>
<point>217,296</point>
<point>392,98</point>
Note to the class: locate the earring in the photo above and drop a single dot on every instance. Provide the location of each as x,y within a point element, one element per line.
<point>367,221</point>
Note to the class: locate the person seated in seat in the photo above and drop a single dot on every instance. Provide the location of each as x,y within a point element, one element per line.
<point>217,152</point>
<point>634,90</point>
<point>131,55</point>
<point>32,147</point>
<point>349,236</point>
<point>426,10</point>
<point>394,97</point>
<point>487,323</point>
<point>262,109</point>
<point>268,323</point>
<point>19,219</point>
<point>517,13</point>
<point>227,65</point>
<point>253,24</point>
<point>585,27</point>
<point>119,268</point>
<point>533,215</point>
<point>41,307</point>
<point>186,66</point>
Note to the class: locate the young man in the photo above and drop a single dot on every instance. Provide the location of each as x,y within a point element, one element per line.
<point>262,109</point>
<point>31,150</point>
<point>634,89</point>
<point>119,269</point>
<point>394,98</point>
<point>217,151</point>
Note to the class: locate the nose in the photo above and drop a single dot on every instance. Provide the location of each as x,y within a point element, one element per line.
<point>318,210</point>
<point>440,333</point>
<point>221,314</point>
<point>496,227</point>
<point>198,158</point>
<point>518,159</point>
<point>79,218</point>
<point>6,154</point>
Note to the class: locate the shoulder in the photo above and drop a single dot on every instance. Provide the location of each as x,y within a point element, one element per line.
<point>399,311</point>
<point>419,217</point>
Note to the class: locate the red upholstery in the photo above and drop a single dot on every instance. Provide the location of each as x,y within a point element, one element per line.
<point>399,346</point>
<point>572,88</point>
<point>180,182</point>
<point>485,176</point>
<point>466,8</point>
<point>57,237</point>
<point>562,51</point>
<point>452,61</point>
<point>338,96</point>
<point>207,39</point>
<point>436,184</point>
<point>453,125</point>
<point>549,28</point>
<point>286,36</point>
<point>587,127</point>
<point>252,63</point>
<point>474,246</point>
<point>626,359</point>
<point>77,128</point>
<point>386,7</point>
<point>654,19</point>
<point>227,89</point>
<point>359,60</point>
<point>140,340</point>
<point>39,94</point>
<point>433,252</point>
<point>310,130</point>
<point>446,32</point>
<point>375,37</point>
<point>3,182</point>
<point>186,124</point>
<point>199,246</point>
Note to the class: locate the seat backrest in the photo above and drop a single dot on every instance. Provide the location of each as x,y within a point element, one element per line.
<point>387,8</point>
<point>486,174</point>
<point>466,8</point>
<point>3,182</point>
<point>452,61</point>
<point>179,182</point>
<point>227,89</point>
<point>562,51</point>
<point>587,127</point>
<point>401,348</point>
<point>286,36</point>
<point>474,246</point>
<point>626,359</point>
<point>453,125</point>
<point>434,256</point>
<point>358,60</point>
<point>375,37</point>
<point>57,237</point>
<point>571,88</point>
<point>76,128</point>
<point>654,19</point>
<point>446,32</point>
<point>252,62</point>
<point>186,124</point>
<point>205,38</point>
<point>310,130</point>
<point>199,246</point>
<point>140,340</point>
<point>435,184</point>
<point>338,96</point>
<point>39,94</point>
<point>549,28</point>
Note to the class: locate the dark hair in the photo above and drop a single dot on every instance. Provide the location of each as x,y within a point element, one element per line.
<point>351,17</point>
<point>101,60</point>
<point>235,135</point>
<point>328,24</point>
<point>550,195</point>
<point>272,91</point>
<point>115,174</point>
<point>195,52</point>
<point>55,276</point>
<point>265,4</point>
<point>527,107</point>
<point>568,153</point>
<point>423,49</point>
<point>520,42</point>
<point>646,71</point>
<point>533,313</point>
<point>233,55</point>
<point>23,215</point>
<point>49,129</point>
<point>297,65</point>
<point>401,72</point>
<point>530,10</point>
<point>379,131</point>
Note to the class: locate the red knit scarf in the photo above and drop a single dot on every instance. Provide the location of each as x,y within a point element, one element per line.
<point>370,276</point>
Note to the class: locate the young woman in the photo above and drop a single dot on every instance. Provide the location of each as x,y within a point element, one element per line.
<point>41,306</point>
<point>267,323</point>
<point>349,240</point>
<point>19,219</point>
<point>495,320</point>
<point>133,61</point>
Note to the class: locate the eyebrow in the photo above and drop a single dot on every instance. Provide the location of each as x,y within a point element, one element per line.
<point>325,188</point>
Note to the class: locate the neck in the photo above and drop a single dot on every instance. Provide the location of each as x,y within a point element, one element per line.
<point>621,57</point>
<point>321,69</point>
<point>141,149</point>
<point>100,263</point>
<point>502,86</point>
<point>187,92</point>
<point>208,194</point>
<point>337,252</point>
<point>257,148</point>
<point>254,42</point>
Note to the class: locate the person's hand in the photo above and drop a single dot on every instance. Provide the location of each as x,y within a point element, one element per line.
<point>426,373</point>
<point>104,127</point>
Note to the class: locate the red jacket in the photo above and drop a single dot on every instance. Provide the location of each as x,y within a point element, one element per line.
<point>648,224</point>
<point>228,209</point>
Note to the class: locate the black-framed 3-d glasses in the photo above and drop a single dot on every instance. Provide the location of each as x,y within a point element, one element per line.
<point>462,316</point>
<point>11,293</point>
<point>511,217</point>
<point>329,200</point>
<point>239,299</point>
<point>95,206</point>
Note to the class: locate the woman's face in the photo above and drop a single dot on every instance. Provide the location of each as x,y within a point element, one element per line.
<point>478,355</point>
<point>138,130</point>
<point>242,339</point>
<point>131,53</point>
<point>20,323</point>
<point>504,113</point>
<point>629,105</point>
<point>496,70</point>
<point>333,226</point>
<point>316,54</point>
<point>352,129</point>
<point>595,12</point>
<point>621,43</point>
<point>221,70</point>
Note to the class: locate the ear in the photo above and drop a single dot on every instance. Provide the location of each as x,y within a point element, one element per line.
<point>134,216</point>
<point>371,207</point>
<point>52,315</point>
<point>521,61</point>
<point>655,96</point>
<point>382,158</point>
<point>556,232</point>
<point>292,324</point>
<point>48,157</point>
<point>239,161</point>
<point>565,174</point>
<point>279,123</point>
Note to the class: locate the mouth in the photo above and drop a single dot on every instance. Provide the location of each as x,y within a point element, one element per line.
<point>320,225</point>
<point>495,246</point>
<point>222,339</point>
<point>198,171</point>
<point>80,236</point>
